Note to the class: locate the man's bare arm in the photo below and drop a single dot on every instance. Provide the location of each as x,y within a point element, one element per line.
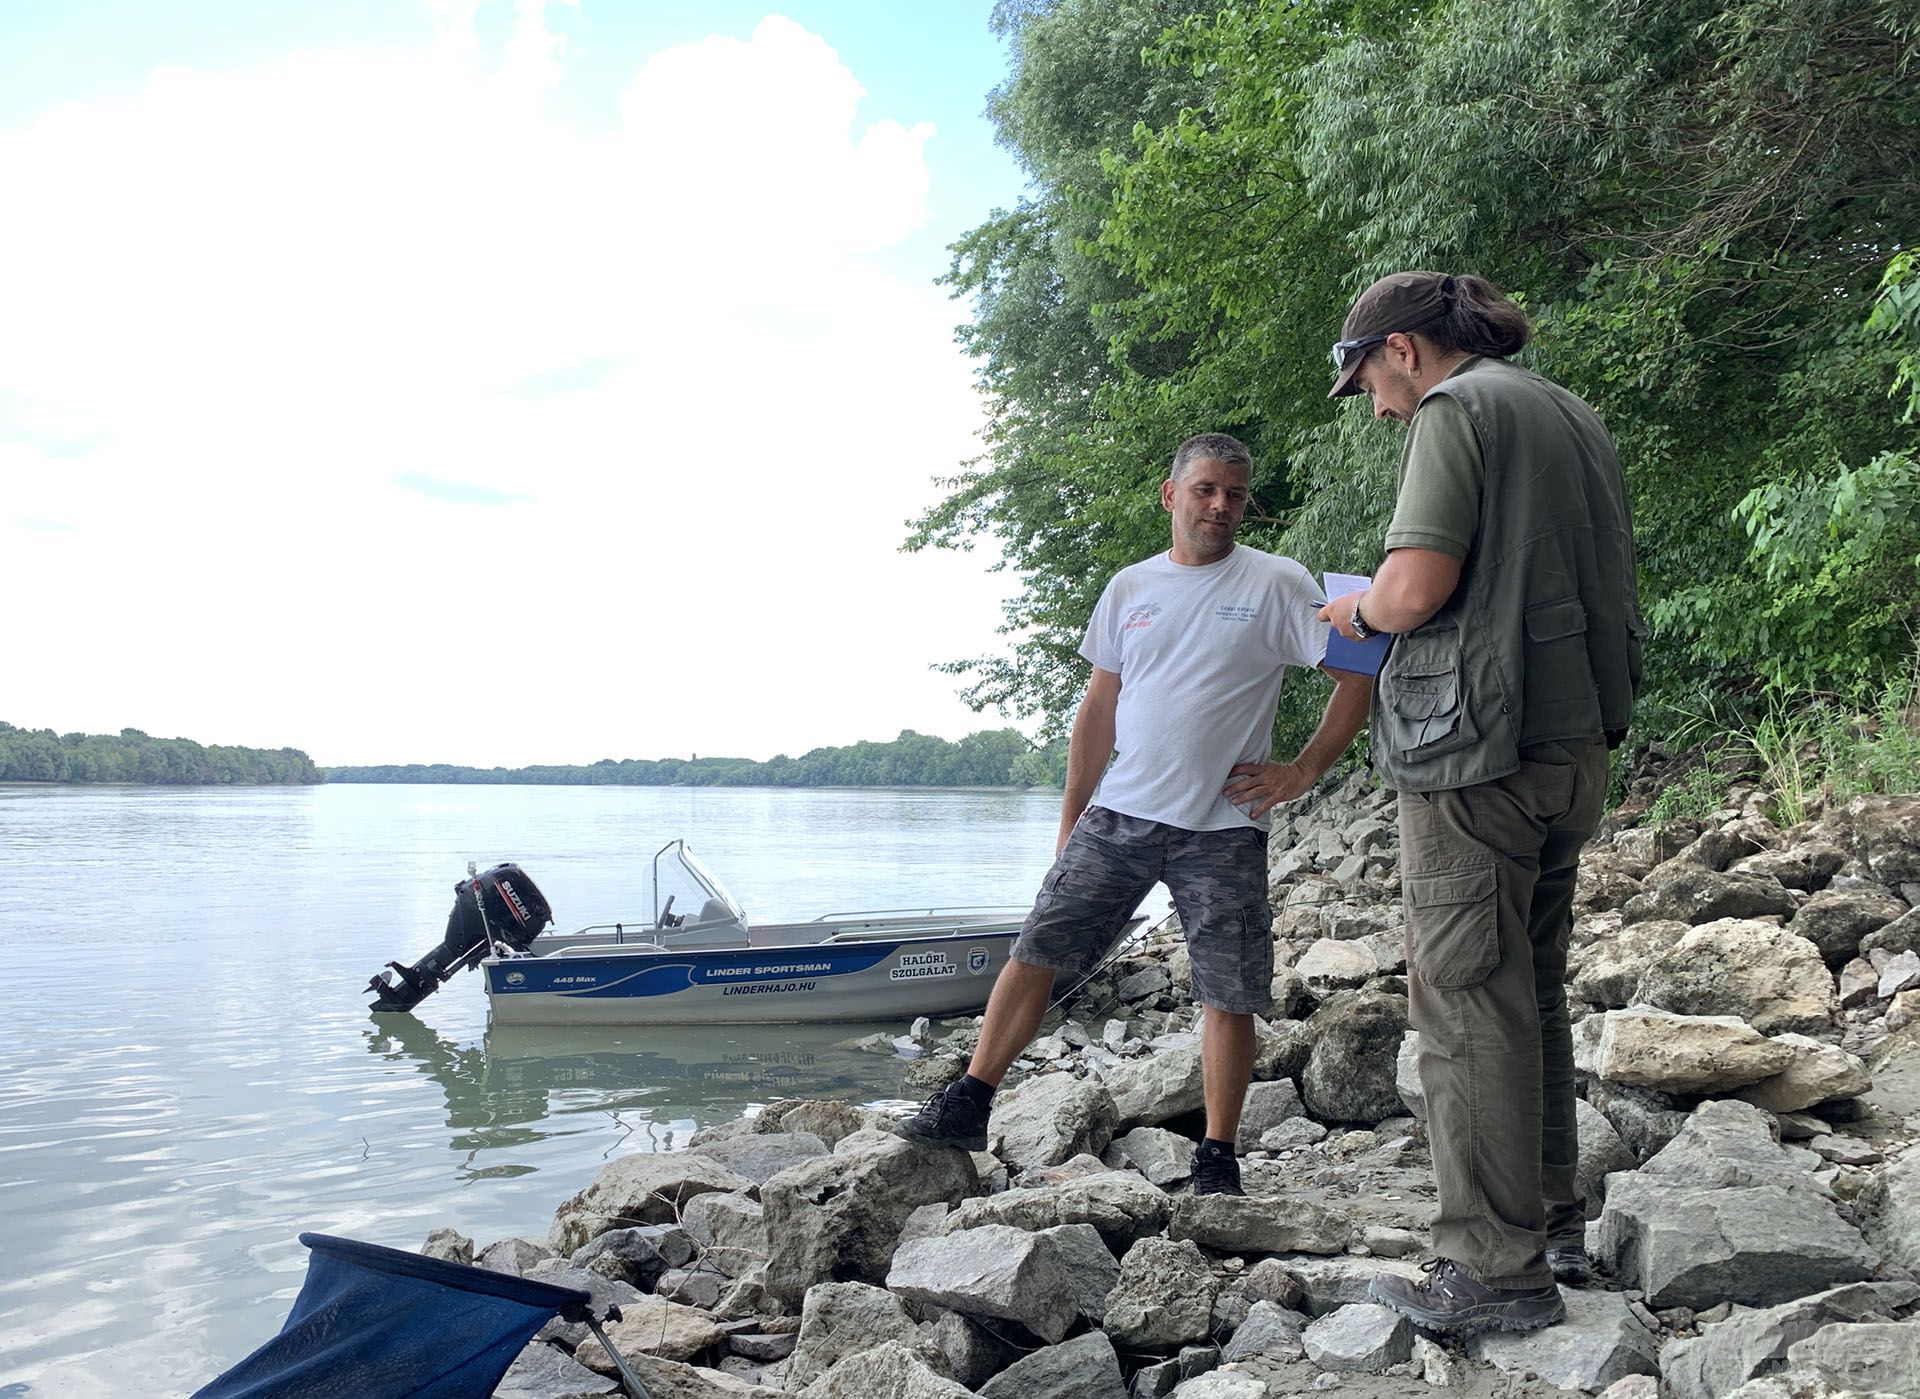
<point>1259,787</point>
<point>1089,749</point>
<point>1410,587</point>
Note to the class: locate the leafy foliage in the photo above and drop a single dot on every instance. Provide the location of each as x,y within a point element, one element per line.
<point>1695,201</point>
<point>41,755</point>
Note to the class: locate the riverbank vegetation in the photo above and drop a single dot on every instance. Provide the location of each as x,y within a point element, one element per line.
<point>41,755</point>
<point>989,758</point>
<point>1708,209</point>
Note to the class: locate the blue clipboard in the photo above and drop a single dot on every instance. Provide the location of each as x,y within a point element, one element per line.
<point>1360,657</point>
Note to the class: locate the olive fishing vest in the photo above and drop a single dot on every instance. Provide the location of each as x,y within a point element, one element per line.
<point>1541,638</point>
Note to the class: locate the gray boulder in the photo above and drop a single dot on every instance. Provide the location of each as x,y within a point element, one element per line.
<point>1146,1092</point>
<point>1601,1341</point>
<point>1835,920</point>
<point>1723,1213</point>
<point>637,1256</point>
<point>726,1221</point>
<point>1270,1329</point>
<point>991,1271</point>
<point>1365,1337</point>
<point>1890,1210</point>
<point>449,1245</point>
<point>1865,1357</point>
<point>1092,1270</point>
<point>1655,1049</point>
<point>1645,1119</point>
<point>1819,1073</point>
<point>1256,1225</point>
<point>1350,1073</point>
<point>839,1217</point>
<point>891,1369</point>
<point>1051,1118</point>
<point>1754,1343</point>
<point>1406,1075</point>
<point>544,1371</point>
<point>760,1156</point>
<point>1163,1157</point>
<point>1331,965</point>
<point>1886,836</point>
<point>839,1319</point>
<point>1607,971</point>
<point>1266,1105</point>
<point>648,1187</point>
<point>970,1352</point>
<point>1087,1367</point>
<point>1164,1297</point>
<point>1805,867</point>
<point>1770,978</point>
<point>1601,1152</point>
<point>829,1120</point>
<point>674,1379</point>
<point>1122,1206</point>
<point>513,1256</point>
<point>1694,894</point>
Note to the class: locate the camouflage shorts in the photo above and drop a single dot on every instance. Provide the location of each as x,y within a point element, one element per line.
<point>1219,884</point>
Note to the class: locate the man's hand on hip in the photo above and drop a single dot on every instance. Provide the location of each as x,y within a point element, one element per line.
<point>1257,788</point>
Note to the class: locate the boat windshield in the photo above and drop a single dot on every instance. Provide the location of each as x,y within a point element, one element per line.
<point>697,895</point>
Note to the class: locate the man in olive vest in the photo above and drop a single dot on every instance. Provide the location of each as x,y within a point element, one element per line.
<point>1509,589</point>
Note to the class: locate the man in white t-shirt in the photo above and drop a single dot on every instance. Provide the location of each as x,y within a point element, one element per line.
<point>1189,649</point>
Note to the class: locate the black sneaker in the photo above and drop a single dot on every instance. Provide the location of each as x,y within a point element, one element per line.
<point>1570,1263</point>
<point>948,1118</point>
<point>1216,1173</point>
<point>1449,1302</point>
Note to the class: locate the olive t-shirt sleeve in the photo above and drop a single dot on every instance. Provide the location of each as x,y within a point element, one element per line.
<point>1441,470</point>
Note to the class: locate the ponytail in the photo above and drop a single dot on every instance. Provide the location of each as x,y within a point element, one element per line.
<point>1478,320</point>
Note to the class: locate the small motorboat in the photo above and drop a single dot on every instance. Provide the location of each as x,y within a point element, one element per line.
<point>707,966</point>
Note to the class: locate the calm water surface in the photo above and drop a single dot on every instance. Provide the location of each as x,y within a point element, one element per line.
<point>189,1076</point>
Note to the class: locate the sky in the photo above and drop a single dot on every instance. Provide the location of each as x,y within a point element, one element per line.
<point>488,381</point>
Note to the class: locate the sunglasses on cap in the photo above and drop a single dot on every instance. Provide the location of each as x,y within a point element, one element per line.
<point>1346,351</point>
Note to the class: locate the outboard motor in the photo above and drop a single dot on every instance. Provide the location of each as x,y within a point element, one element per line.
<point>498,907</point>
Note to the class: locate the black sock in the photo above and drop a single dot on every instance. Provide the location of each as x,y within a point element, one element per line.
<point>1213,1146</point>
<point>975,1090</point>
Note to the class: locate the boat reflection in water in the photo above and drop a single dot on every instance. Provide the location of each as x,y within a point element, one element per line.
<point>639,1089</point>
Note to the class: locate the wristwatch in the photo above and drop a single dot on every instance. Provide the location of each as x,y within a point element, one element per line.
<point>1359,624</point>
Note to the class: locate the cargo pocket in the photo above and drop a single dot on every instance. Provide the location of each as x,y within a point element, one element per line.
<point>1455,917</point>
<point>1422,699</point>
<point>1561,697</point>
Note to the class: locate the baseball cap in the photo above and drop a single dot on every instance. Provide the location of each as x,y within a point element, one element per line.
<point>1402,301</point>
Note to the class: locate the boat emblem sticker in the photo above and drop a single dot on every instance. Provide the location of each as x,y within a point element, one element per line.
<point>516,978</point>
<point>914,965</point>
<point>976,960</point>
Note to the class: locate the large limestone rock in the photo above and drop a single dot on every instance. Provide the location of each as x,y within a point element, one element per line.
<point>544,1371</point>
<point>1253,1225</point>
<point>648,1187</point>
<point>832,1122</point>
<point>1146,1092</point>
<point>890,1369</point>
<point>1331,965</point>
<point>1602,1152</point>
<point>1163,1157</point>
<point>1819,1073</point>
<point>1608,970</point>
<point>1724,1213</point>
<point>1087,1367</point>
<point>837,1218</point>
<point>1092,1270</point>
<point>1164,1297</point>
<point>1754,1343</point>
<point>1601,1341</point>
<point>1406,1075</point>
<point>1867,1358</point>
<point>1645,1118</point>
<point>652,1326</point>
<point>1694,894</point>
<point>674,1379</point>
<point>1890,1208</point>
<point>1270,1329</point>
<point>1267,1105</point>
<point>1655,1049</point>
<point>991,1271</point>
<point>1350,1074</point>
<point>1364,1337</point>
<point>1121,1205</point>
<point>839,1319</point>
<point>1835,920</point>
<point>1051,1118</point>
<point>1770,978</point>
<point>760,1156</point>
<point>1886,836</point>
<point>717,1221</point>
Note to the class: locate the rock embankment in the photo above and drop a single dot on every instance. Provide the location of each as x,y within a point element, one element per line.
<point>1747,1004</point>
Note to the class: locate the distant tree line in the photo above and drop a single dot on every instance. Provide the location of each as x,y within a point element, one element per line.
<point>990,758</point>
<point>41,755</point>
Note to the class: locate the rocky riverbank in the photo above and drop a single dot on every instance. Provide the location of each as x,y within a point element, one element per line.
<point>1748,1034</point>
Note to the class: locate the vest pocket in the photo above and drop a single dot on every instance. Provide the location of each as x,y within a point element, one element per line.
<point>1560,698</point>
<point>1454,916</point>
<point>1422,708</point>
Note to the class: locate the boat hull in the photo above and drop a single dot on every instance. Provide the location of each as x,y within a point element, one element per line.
<point>874,978</point>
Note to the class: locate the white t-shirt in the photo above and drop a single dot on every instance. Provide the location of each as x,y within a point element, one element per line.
<point>1200,652</point>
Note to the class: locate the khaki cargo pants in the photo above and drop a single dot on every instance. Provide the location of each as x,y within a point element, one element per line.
<point>1488,873</point>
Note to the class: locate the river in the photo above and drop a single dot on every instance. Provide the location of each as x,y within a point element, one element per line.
<point>189,1076</point>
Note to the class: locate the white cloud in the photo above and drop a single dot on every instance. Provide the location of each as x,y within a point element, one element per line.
<point>249,313</point>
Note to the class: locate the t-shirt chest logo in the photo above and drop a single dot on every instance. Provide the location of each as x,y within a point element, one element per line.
<point>1141,616</point>
<point>1237,612</point>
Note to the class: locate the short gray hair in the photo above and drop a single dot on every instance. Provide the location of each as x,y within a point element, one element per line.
<point>1210,446</point>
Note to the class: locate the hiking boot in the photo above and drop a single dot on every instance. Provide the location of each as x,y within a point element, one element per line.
<point>1216,1173</point>
<point>1570,1263</point>
<point>1449,1302</point>
<point>948,1118</point>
